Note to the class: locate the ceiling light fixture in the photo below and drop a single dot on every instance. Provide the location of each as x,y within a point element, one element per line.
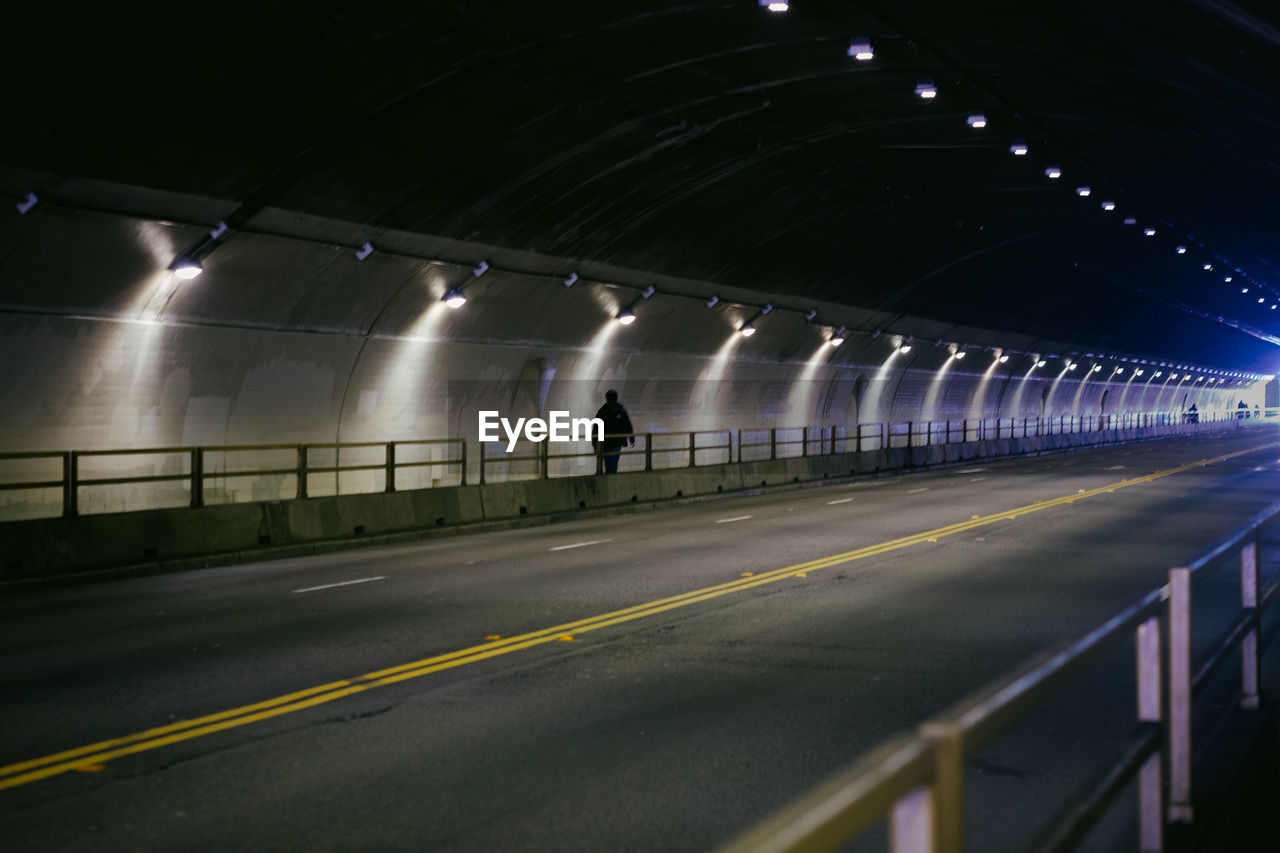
<point>1150,232</point>
<point>861,49</point>
<point>1041,363</point>
<point>747,330</point>
<point>1084,192</point>
<point>925,88</point>
<point>1053,171</point>
<point>1018,148</point>
<point>775,5</point>
<point>957,355</point>
<point>976,120</point>
<point>837,337</point>
<point>1181,250</point>
<point>1108,205</point>
<point>904,349</point>
<point>626,316</point>
<point>1130,220</point>
<point>186,267</point>
<point>454,298</point>
<point>1208,267</point>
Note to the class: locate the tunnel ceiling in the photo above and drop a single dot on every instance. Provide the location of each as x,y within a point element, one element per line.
<point>725,142</point>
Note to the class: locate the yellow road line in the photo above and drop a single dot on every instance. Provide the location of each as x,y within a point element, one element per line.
<point>24,772</point>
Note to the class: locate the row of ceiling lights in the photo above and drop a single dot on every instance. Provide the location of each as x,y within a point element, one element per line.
<point>861,49</point>
<point>455,297</point>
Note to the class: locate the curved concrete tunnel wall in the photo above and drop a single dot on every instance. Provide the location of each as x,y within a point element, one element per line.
<point>287,340</point>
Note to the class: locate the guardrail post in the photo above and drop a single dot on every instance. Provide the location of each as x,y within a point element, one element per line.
<point>948,784</point>
<point>910,429</point>
<point>1150,781</point>
<point>646,465</point>
<point>482,461</point>
<point>648,450</point>
<point>857,441</point>
<point>462,460</point>
<point>70,487</point>
<point>773,443</point>
<point>544,458</point>
<point>804,441</point>
<point>391,467</point>
<point>1180,695</point>
<point>911,823</point>
<point>964,430</point>
<point>197,477</point>
<point>1250,697</point>
<point>693,449</point>
<point>302,471</point>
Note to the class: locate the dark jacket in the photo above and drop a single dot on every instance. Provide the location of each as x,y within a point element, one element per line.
<point>617,425</point>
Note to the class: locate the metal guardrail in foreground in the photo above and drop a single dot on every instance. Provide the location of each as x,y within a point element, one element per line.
<point>917,780</point>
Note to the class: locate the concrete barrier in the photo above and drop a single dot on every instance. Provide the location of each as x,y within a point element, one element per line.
<point>155,539</point>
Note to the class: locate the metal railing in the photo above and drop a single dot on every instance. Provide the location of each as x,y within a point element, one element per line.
<point>917,781</point>
<point>194,471</point>
<point>196,476</point>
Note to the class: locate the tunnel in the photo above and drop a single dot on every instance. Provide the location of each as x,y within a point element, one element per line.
<point>658,425</point>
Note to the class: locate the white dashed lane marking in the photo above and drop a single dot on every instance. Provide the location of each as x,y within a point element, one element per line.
<point>917,491</point>
<point>579,544</point>
<point>735,518</point>
<point>841,501</point>
<point>343,583</point>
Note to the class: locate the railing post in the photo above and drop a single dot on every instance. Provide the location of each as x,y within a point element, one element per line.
<point>911,823</point>
<point>462,443</point>
<point>1250,697</point>
<point>1180,695</point>
<point>948,784</point>
<point>482,461</point>
<point>391,467</point>
<point>197,477</point>
<point>544,458</point>
<point>648,450</point>
<point>804,441</point>
<point>910,429</point>
<point>964,430</point>
<point>70,490</point>
<point>302,471</point>
<point>857,442</point>
<point>693,449</point>
<point>646,462</point>
<point>1150,776</point>
<point>773,443</point>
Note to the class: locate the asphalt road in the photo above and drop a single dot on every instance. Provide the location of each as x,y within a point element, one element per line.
<point>671,727</point>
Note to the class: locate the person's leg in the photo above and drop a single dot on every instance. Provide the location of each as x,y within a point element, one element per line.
<point>611,460</point>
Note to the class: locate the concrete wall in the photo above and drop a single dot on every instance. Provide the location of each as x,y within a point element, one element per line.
<point>288,338</point>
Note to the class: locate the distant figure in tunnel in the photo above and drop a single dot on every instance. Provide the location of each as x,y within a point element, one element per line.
<point>1242,410</point>
<point>617,431</point>
<point>1191,415</point>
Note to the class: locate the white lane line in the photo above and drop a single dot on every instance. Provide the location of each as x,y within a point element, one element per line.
<point>344,583</point>
<point>977,479</point>
<point>735,518</point>
<point>579,544</point>
<point>971,471</point>
<point>917,491</point>
<point>841,501</point>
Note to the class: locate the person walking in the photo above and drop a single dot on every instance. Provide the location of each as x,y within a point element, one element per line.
<point>617,431</point>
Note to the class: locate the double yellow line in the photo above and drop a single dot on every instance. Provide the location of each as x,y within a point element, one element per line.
<point>94,755</point>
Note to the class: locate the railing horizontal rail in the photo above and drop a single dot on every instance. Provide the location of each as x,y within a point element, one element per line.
<point>666,450</point>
